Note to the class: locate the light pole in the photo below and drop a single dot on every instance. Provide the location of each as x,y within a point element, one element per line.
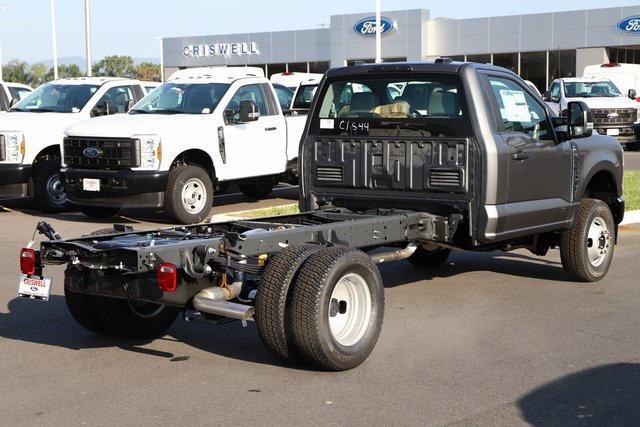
<point>378,33</point>
<point>161,60</point>
<point>1,9</point>
<point>87,34</point>
<point>54,41</point>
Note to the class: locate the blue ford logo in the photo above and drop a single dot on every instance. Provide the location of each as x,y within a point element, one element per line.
<point>367,27</point>
<point>91,152</point>
<point>630,25</point>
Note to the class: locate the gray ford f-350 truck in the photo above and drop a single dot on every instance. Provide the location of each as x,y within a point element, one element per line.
<point>399,161</point>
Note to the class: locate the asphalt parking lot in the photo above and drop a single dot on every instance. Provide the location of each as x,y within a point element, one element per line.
<point>496,338</point>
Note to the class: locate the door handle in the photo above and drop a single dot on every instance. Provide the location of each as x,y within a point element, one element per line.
<point>520,155</point>
<point>270,129</point>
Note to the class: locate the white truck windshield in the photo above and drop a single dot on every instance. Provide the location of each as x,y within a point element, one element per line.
<point>590,89</point>
<point>57,98</point>
<point>182,98</point>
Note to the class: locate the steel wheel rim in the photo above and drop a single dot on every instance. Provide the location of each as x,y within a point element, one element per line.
<point>598,241</point>
<point>194,195</point>
<point>55,189</point>
<point>144,309</point>
<point>349,309</point>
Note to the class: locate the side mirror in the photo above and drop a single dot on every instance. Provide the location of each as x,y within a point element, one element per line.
<point>13,102</point>
<point>632,94</point>
<point>546,96</point>
<point>229,116</point>
<point>129,105</point>
<point>249,111</point>
<point>579,122</point>
<point>105,109</point>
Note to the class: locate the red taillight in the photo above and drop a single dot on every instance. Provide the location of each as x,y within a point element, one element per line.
<point>28,260</point>
<point>167,277</point>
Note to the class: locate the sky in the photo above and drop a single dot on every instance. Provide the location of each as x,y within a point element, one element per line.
<point>130,27</point>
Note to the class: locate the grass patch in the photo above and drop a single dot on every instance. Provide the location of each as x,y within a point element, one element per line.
<point>632,190</point>
<point>270,211</point>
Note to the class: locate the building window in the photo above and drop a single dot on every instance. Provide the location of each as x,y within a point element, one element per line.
<point>319,67</point>
<point>533,67</point>
<point>624,55</point>
<point>506,60</point>
<point>459,58</point>
<point>276,69</point>
<point>482,59</point>
<point>297,67</point>
<point>562,63</point>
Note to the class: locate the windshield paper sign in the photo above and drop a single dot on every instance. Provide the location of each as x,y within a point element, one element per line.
<point>630,25</point>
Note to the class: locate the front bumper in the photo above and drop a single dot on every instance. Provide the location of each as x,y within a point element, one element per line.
<point>628,134</point>
<point>14,180</point>
<point>118,188</point>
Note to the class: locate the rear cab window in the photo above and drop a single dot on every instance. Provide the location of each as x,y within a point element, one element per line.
<point>421,105</point>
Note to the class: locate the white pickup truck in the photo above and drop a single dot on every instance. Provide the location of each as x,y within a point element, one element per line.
<point>32,130</point>
<point>10,91</point>
<point>613,113</point>
<point>203,127</point>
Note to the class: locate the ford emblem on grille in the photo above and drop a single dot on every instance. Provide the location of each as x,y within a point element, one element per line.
<point>613,115</point>
<point>91,152</point>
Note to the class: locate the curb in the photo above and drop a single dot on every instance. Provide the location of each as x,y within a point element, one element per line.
<point>631,217</point>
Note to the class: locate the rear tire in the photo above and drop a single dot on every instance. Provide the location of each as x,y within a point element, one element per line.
<point>128,319</point>
<point>189,194</point>
<point>81,309</point>
<point>257,189</point>
<point>337,308</point>
<point>98,212</point>
<point>586,249</point>
<point>426,258</point>
<point>48,191</point>
<point>272,304</point>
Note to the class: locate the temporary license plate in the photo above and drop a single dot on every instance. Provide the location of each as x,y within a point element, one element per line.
<point>613,132</point>
<point>90,184</point>
<point>34,287</point>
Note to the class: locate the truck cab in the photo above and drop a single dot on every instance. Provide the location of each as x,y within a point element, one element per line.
<point>303,96</point>
<point>32,130</point>
<point>11,93</point>
<point>614,113</point>
<point>204,126</point>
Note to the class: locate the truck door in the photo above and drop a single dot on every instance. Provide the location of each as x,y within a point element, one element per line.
<point>255,148</point>
<point>539,167</point>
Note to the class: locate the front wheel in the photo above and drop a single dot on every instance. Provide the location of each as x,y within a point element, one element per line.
<point>337,307</point>
<point>48,191</point>
<point>189,194</point>
<point>586,249</point>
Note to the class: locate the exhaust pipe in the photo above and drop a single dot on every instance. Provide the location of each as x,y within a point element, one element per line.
<point>215,300</point>
<point>396,255</point>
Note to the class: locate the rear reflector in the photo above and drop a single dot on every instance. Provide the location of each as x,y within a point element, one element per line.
<point>167,277</point>
<point>27,261</point>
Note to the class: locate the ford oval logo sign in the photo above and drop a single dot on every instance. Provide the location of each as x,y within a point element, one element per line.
<point>630,25</point>
<point>367,27</point>
<point>91,152</point>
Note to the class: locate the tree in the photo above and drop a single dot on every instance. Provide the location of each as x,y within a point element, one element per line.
<point>64,71</point>
<point>115,66</point>
<point>37,75</point>
<point>147,71</point>
<point>15,71</point>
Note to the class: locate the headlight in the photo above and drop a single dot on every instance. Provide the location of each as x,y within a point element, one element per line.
<point>13,147</point>
<point>150,151</point>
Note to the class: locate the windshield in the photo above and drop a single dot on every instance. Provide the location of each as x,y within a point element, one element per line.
<point>18,93</point>
<point>182,98</point>
<point>590,89</point>
<point>304,96</point>
<point>57,98</point>
<point>425,105</point>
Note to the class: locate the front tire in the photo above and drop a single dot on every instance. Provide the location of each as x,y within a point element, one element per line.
<point>48,191</point>
<point>586,249</point>
<point>189,194</point>
<point>337,308</point>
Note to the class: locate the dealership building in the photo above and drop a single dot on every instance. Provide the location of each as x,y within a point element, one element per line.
<point>540,47</point>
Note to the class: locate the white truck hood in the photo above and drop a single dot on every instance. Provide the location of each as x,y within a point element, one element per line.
<point>608,102</point>
<point>127,125</point>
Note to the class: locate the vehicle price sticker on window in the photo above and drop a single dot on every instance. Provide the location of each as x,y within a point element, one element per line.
<point>326,123</point>
<point>90,184</point>
<point>34,287</point>
<point>515,106</point>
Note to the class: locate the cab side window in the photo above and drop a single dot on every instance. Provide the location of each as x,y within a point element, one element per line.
<point>119,96</point>
<point>554,92</point>
<point>519,111</point>
<point>249,93</point>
